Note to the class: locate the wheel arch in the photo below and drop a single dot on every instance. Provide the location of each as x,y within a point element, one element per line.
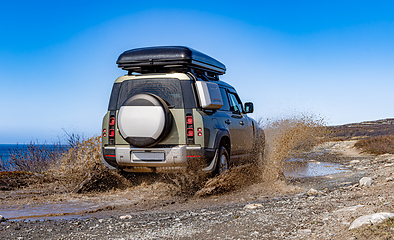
<point>223,139</point>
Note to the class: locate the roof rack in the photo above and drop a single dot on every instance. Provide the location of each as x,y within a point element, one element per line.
<point>169,59</point>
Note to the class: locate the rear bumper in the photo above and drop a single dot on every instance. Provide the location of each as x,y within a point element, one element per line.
<point>155,159</point>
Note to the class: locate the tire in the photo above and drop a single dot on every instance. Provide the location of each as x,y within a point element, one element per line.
<point>223,161</point>
<point>144,120</point>
<point>258,156</point>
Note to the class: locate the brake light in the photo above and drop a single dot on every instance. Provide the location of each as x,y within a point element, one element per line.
<point>111,133</point>
<point>190,132</point>
<point>189,120</point>
<point>112,121</point>
<point>104,132</point>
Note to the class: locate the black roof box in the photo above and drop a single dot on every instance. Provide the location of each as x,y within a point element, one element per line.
<point>156,59</point>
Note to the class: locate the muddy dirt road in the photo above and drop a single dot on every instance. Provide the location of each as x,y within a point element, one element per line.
<point>279,209</point>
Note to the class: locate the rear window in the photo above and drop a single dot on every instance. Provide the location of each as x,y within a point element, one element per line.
<point>168,89</point>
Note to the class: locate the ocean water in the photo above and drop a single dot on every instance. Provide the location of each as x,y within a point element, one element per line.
<point>5,149</point>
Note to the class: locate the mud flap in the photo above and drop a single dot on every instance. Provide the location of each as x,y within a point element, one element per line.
<point>212,166</point>
<point>106,164</point>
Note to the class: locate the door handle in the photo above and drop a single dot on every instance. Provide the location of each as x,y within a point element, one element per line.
<point>228,121</point>
<point>242,123</point>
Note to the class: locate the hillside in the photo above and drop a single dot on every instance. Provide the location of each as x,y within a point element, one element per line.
<point>355,131</point>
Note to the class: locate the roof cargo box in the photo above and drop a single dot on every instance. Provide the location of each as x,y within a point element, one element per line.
<point>166,58</point>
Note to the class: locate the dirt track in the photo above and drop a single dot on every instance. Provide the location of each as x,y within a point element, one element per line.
<point>281,211</point>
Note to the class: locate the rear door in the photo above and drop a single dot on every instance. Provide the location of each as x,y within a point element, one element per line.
<point>242,141</point>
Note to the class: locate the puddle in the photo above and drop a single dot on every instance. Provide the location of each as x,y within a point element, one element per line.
<point>299,168</point>
<point>52,210</point>
<point>77,208</point>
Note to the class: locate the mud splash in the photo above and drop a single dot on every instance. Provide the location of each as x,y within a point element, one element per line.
<point>80,167</point>
<point>79,173</point>
<point>284,138</point>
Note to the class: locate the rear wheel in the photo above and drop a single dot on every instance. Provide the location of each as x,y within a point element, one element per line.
<point>258,156</point>
<point>223,161</point>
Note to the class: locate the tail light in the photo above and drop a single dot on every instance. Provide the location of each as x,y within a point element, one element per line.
<point>190,132</point>
<point>112,121</point>
<point>189,120</point>
<point>111,129</point>
<point>111,133</point>
<point>104,132</point>
<point>189,129</point>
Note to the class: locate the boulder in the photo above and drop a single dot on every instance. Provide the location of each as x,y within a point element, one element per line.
<point>349,209</point>
<point>312,192</point>
<point>366,181</point>
<point>370,219</point>
<point>253,206</point>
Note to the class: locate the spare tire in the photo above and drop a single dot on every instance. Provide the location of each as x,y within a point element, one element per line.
<point>144,120</point>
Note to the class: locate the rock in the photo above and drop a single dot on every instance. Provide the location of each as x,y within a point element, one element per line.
<point>311,192</point>
<point>354,161</point>
<point>253,206</point>
<point>370,219</point>
<point>366,181</point>
<point>125,217</point>
<point>2,219</point>
<point>349,209</point>
<point>305,231</point>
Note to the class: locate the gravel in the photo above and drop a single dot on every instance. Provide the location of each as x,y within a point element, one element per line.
<point>321,213</point>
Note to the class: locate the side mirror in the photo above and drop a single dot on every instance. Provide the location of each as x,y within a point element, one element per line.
<point>249,107</point>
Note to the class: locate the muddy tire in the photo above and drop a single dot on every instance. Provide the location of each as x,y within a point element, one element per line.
<point>223,161</point>
<point>258,156</point>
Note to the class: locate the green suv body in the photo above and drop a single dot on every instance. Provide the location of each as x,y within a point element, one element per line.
<point>171,112</point>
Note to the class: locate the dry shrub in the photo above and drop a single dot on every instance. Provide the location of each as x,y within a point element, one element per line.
<point>3,166</point>
<point>33,157</point>
<point>377,145</point>
<point>287,136</point>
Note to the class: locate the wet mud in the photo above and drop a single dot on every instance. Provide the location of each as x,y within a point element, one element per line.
<point>160,193</point>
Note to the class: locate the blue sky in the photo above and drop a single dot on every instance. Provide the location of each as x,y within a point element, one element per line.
<point>329,58</point>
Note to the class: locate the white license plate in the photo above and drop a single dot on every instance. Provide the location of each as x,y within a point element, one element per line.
<point>147,156</point>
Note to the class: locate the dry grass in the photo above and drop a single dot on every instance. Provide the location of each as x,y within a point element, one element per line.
<point>76,167</point>
<point>80,168</point>
<point>377,145</point>
<point>79,159</point>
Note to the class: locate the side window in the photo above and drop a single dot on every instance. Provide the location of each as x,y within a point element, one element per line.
<point>226,105</point>
<point>235,103</point>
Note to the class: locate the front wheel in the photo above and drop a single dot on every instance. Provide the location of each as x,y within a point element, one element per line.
<point>223,161</point>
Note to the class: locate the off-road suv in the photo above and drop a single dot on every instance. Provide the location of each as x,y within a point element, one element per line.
<point>172,112</point>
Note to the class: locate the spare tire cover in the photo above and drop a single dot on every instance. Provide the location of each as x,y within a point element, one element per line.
<point>144,120</point>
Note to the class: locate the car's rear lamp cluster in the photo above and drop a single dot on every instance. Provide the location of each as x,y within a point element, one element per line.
<point>189,129</point>
<point>111,130</point>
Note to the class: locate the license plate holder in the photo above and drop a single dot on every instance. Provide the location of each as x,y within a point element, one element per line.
<point>138,156</point>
